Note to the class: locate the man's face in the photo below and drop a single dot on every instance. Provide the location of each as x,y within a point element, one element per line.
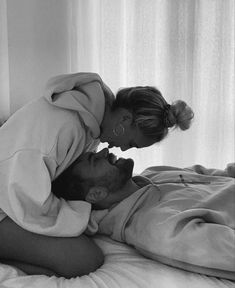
<point>104,169</point>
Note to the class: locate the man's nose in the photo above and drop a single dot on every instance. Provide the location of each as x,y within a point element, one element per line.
<point>103,153</point>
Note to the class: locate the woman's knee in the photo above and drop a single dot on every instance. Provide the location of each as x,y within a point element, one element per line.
<point>80,258</point>
<point>67,256</point>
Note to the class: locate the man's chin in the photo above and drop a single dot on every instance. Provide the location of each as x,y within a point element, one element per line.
<point>130,165</point>
<point>126,167</point>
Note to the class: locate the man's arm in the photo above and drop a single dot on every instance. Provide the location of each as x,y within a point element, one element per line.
<point>229,171</point>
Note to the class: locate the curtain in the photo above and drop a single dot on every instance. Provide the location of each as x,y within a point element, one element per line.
<point>185,48</point>
<point>4,69</point>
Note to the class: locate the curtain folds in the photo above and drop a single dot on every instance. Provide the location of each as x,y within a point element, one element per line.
<point>4,68</point>
<point>185,48</point>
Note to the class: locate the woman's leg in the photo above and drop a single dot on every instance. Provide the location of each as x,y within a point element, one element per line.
<point>67,257</point>
<point>29,268</point>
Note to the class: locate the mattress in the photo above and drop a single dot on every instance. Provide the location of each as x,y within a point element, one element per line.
<point>124,267</point>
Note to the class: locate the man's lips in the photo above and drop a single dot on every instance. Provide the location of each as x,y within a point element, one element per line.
<point>112,158</point>
<point>110,146</point>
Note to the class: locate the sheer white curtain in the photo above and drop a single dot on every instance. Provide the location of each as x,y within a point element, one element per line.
<point>184,47</point>
<point>4,68</point>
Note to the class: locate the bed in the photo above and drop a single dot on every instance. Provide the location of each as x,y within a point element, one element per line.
<point>123,267</point>
<point>143,220</point>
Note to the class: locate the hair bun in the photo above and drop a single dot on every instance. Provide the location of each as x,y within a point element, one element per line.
<point>179,114</point>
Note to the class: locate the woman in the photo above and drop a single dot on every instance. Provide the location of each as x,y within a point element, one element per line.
<point>140,117</point>
<point>42,139</point>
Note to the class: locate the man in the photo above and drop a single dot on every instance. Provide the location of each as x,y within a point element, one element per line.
<point>98,178</point>
<point>181,217</point>
<point>67,256</point>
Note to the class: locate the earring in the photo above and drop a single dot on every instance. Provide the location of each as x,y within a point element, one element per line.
<point>119,131</point>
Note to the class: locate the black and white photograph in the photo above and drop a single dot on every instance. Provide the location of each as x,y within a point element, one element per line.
<point>117,143</point>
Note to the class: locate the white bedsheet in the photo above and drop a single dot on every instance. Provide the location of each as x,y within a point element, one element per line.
<point>123,268</point>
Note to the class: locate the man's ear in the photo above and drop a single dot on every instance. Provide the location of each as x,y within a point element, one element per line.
<point>96,194</point>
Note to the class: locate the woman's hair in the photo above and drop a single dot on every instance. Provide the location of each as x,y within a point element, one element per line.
<point>151,113</point>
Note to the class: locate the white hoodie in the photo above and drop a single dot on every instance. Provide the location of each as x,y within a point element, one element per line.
<point>38,142</point>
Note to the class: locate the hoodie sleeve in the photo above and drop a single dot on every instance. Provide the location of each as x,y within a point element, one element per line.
<point>68,82</point>
<point>229,171</point>
<point>30,203</point>
<point>84,93</point>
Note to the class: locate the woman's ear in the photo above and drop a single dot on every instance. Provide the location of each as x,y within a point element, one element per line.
<point>96,194</point>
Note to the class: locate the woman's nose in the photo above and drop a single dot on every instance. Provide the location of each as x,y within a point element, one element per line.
<point>124,148</point>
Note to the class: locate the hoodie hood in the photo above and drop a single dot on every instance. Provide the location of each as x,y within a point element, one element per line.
<point>80,92</point>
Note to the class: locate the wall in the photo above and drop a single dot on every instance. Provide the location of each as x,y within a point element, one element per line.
<point>38,45</point>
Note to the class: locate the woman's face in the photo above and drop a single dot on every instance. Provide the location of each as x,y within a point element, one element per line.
<point>132,137</point>
<point>121,132</point>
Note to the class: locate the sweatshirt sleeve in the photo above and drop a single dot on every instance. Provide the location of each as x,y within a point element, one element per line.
<point>67,82</point>
<point>229,171</point>
<point>28,200</point>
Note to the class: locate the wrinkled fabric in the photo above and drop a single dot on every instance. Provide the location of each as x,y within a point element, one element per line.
<point>184,218</point>
<point>38,143</point>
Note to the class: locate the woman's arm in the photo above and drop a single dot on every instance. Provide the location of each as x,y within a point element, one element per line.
<point>27,199</point>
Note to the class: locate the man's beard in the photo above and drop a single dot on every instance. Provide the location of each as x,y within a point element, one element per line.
<point>127,169</point>
<point>125,172</point>
<point>114,181</point>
